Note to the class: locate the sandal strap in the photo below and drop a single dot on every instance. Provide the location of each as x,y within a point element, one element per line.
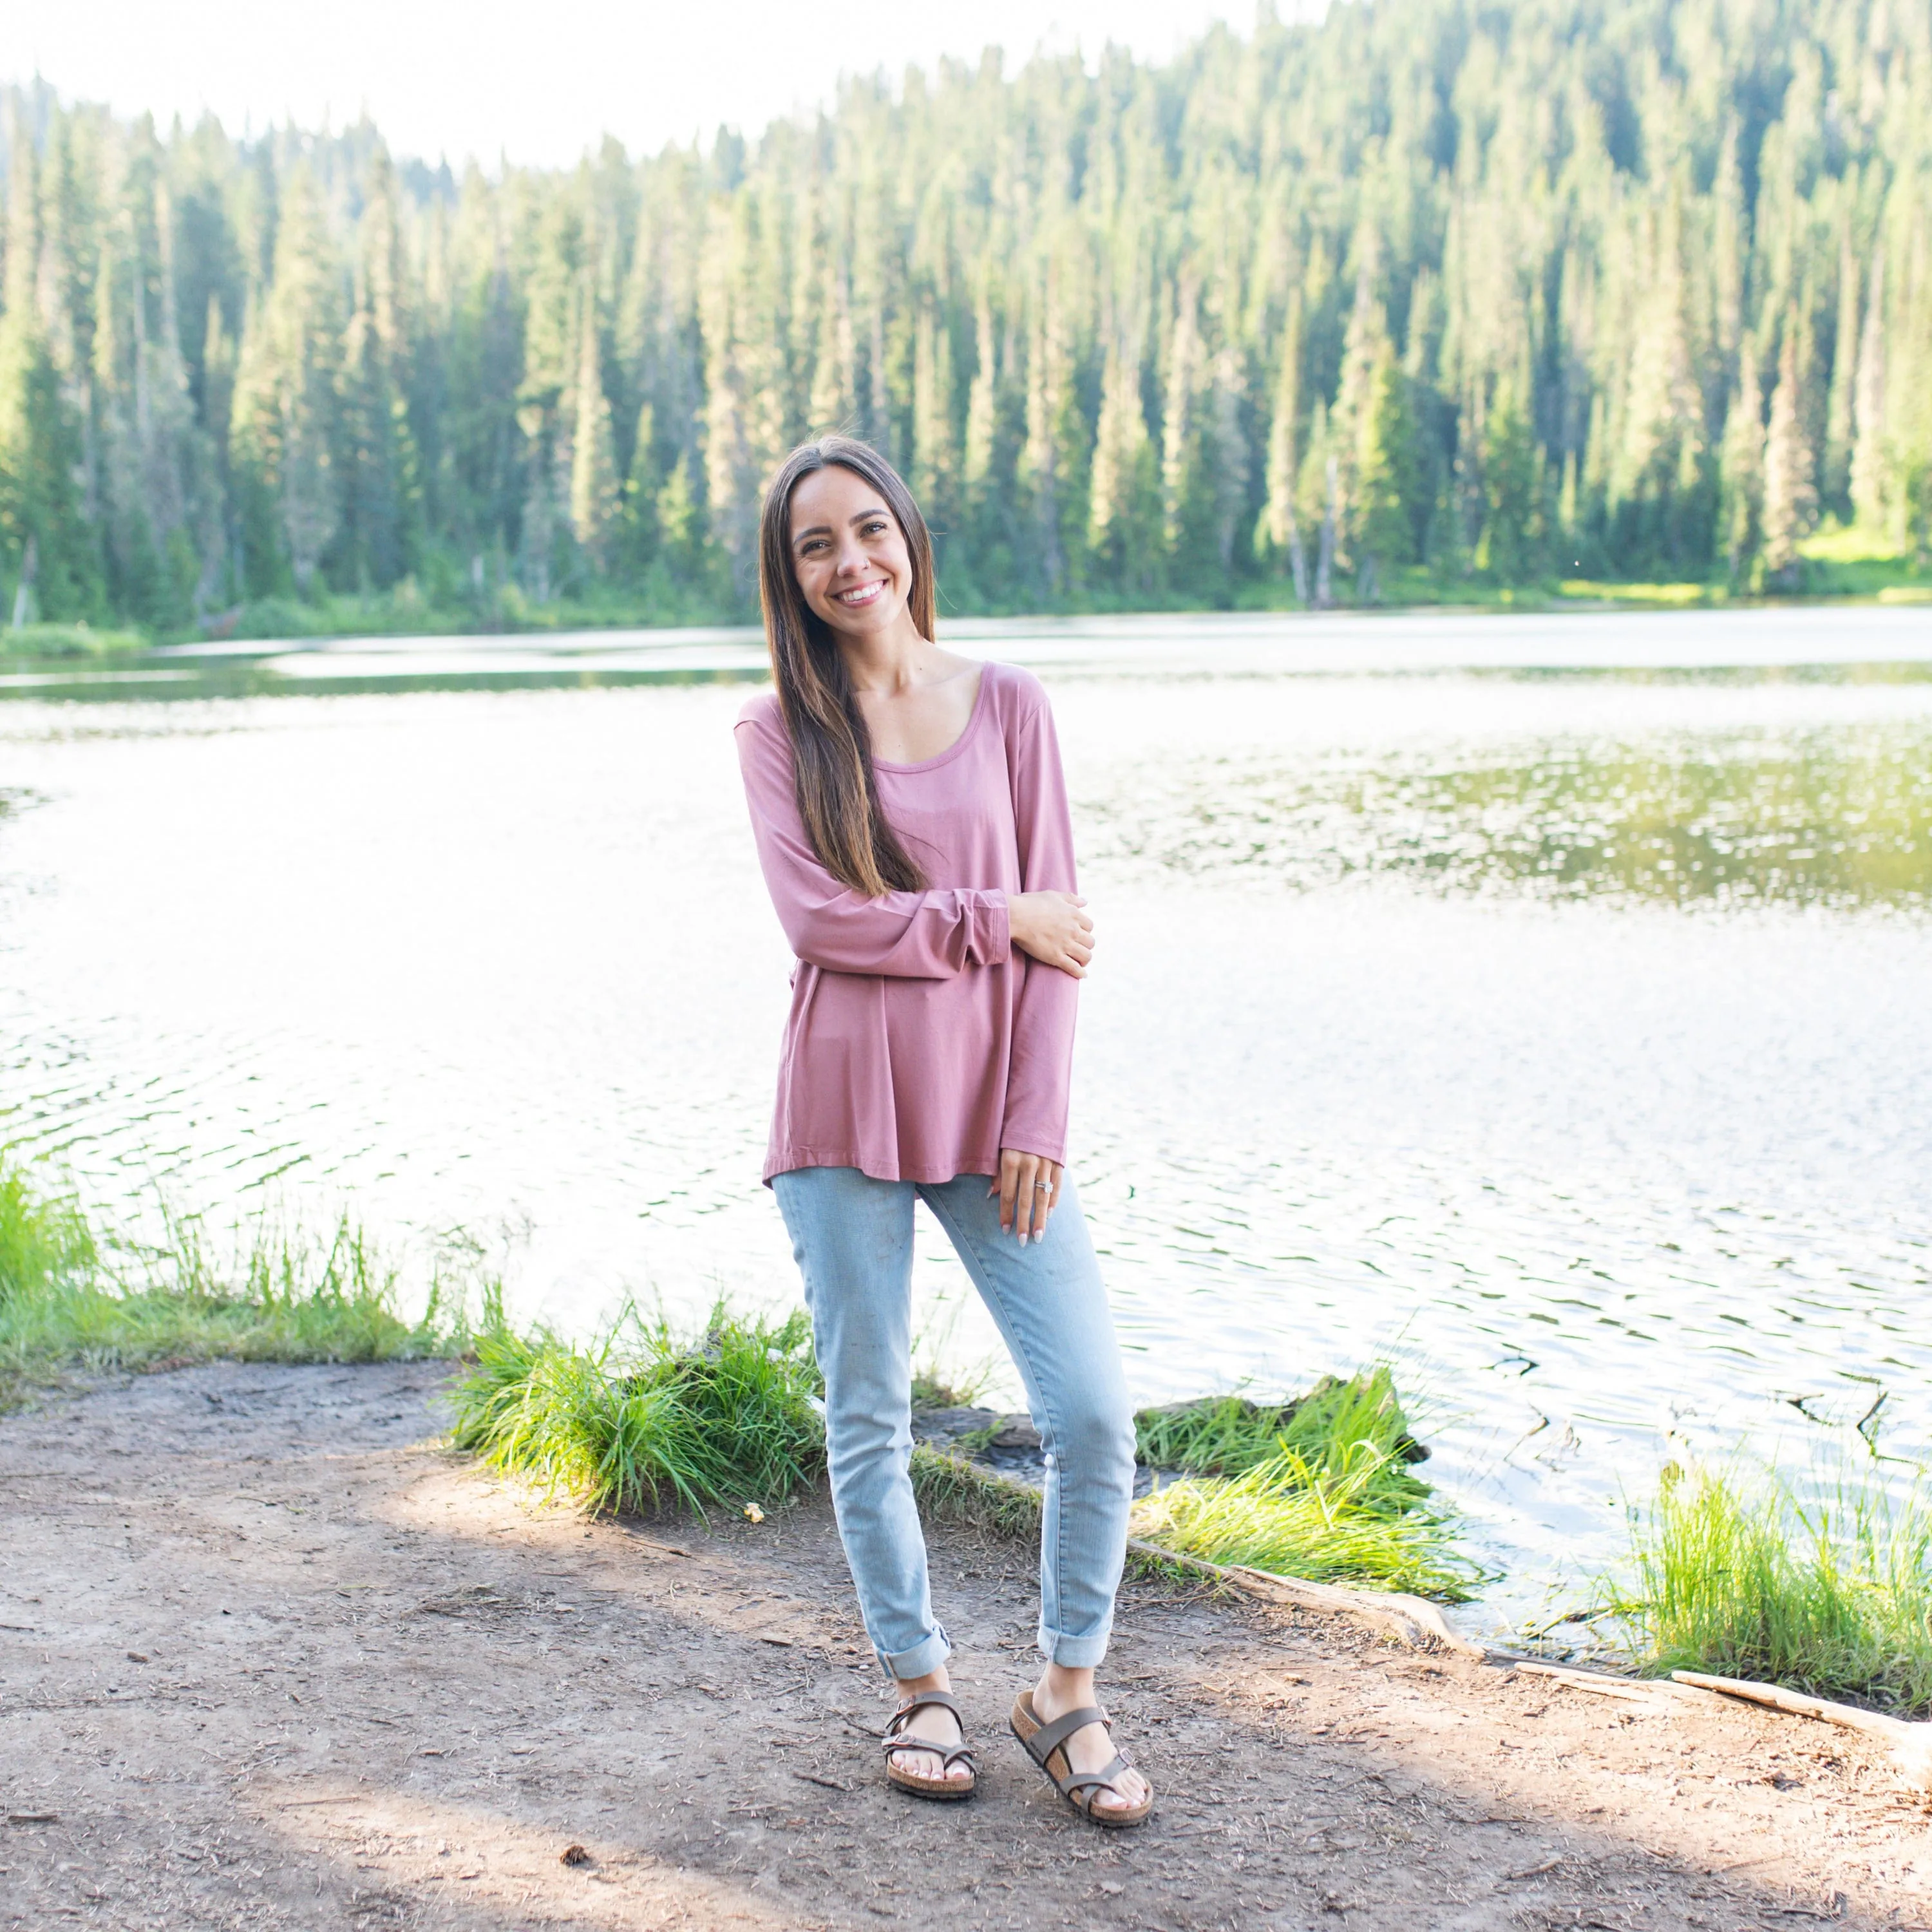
<point>898,1738</point>
<point>927,1700</point>
<point>949,1755</point>
<point>1089,1781</point>
<point>1049,1737</point>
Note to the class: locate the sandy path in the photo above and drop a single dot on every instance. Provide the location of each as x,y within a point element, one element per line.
<point>371,1687</point>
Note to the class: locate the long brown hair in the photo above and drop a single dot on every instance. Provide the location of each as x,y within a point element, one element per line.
<point>832,751</point>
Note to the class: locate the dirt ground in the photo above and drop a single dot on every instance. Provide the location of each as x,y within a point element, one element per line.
<point>268,1658</point>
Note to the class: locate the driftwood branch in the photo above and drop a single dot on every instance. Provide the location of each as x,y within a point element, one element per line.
<point>1911,1743</point>
<point>1411,1621</point>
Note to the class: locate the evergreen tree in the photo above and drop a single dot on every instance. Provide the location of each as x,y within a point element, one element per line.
<point>285,419</point>
<point>1510,547</point>
<point>45,548</point>
<point>378,485</point>
<point>1836,489</point>
<point>593,475</point>
<point>1790,496</point>
<point>1278,533</point>
<point>1124,528</point>
<point>1743,470</point>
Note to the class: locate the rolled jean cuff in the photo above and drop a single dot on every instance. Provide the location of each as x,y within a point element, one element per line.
<point>1074,1653</point>
<point>920,1661</point>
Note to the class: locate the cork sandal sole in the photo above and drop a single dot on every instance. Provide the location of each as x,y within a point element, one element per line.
<point>1042,1743</point>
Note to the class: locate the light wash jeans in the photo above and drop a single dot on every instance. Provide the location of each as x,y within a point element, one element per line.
<point>853,1237</point>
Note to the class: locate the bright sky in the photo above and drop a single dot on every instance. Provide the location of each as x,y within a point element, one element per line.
<point>540,82</point>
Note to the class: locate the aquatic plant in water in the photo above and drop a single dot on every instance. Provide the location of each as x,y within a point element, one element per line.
<point>1838,817</point>
<point>1734,1572</point>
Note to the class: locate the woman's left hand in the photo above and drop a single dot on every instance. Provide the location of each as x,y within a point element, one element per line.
<point>1029,1191</point>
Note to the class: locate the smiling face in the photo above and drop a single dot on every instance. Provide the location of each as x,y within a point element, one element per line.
<point>849,554</point>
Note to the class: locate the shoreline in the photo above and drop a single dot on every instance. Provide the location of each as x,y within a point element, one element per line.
<point>274,1656</point>
<point>348,620</point>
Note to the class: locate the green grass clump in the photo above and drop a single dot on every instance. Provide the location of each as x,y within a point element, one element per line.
<point>1320,1487</point>
<point>68,1301</point>
<point>1320,1520</point>
<point>1736,1575</point>
<point>644,1418</point>
<point>1227,1436</point>
<point>46,1246</point>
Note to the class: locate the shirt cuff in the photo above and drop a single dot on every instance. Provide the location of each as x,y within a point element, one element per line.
<point>996,932</point>
<point>1016,1139</point>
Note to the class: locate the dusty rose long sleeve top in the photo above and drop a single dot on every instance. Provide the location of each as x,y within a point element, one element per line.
<point>920,1042</point>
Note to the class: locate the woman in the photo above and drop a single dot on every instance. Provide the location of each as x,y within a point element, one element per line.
<point>911,821</point>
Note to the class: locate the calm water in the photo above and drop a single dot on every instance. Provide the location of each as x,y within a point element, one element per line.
<point>1542,1003</point>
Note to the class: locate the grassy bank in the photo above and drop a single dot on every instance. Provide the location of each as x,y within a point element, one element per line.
<point>1320,1488</point>
<point>71,1301</point>
<point>1734,1572</point>
<point>68,640</point>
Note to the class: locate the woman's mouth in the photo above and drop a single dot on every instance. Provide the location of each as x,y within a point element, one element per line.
<point>860,594</point>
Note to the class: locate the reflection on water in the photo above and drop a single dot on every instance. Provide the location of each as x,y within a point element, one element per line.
<point>1606,1179</point>
<point>1840,819</point>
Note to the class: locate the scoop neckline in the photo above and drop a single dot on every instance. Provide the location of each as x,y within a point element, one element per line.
<point>958,744</point>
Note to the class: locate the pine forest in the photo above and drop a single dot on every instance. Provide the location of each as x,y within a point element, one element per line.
<point>1432,298</point>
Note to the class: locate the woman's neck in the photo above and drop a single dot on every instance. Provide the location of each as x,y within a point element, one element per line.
<point>893,661</point>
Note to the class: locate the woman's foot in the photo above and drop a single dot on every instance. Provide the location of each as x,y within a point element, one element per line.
<point>935,1721</point>
<point>1092,1748</point>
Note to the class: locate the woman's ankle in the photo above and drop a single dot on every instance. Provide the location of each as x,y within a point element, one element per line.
<point>909,1687</point>
<point>1064,1688</point>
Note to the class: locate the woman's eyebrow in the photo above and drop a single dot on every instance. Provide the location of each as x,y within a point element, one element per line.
<point>825,530</point>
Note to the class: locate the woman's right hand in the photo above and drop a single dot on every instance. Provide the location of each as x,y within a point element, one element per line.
<point>1051,927</point>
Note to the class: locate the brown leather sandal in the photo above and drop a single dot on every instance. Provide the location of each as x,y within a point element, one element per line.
<point>1042,1743</point>
<point>896,1739</point>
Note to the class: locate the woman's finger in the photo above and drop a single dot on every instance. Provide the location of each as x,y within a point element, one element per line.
<point>1026,1209</point>
<point>1050,1171</point>
<point>1009,1170</point>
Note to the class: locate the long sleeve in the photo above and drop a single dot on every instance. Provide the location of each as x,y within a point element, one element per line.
<point>1040,1075</point>
<point>928,935</point>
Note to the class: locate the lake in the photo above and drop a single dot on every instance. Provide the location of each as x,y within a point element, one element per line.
<point>1542,1003</point>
